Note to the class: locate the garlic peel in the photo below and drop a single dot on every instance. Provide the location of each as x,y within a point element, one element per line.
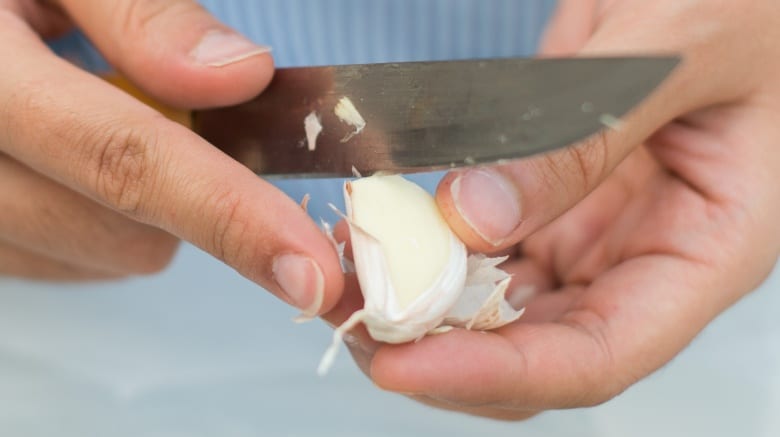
<point>338,335</point>
<point>312,127</point>
<point>345,110</point>
<point>483,305</point>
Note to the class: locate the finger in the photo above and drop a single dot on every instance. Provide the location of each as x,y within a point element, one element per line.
<point>492,208</point>
<point>175,50</point>
<point>106,145</point>
<point>628,324</point>
<point>21,263</point>
<point>587,240</point>
<point>44,217</point>
<point>569,28</point>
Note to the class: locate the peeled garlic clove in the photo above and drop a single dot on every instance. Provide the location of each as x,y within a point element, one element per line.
<point>410,265</point>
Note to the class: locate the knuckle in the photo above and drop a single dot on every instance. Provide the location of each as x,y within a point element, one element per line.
<point>578,169</point>
<point>229,233</point>
<point>143,15</point>
<point>589,161</point>
<point>601,378</point>
<point>121,161</point>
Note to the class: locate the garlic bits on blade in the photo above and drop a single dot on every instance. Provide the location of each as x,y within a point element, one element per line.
<point>415,274</point>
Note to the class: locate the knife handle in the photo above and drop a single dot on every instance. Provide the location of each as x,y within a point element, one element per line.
<point>178,115</point>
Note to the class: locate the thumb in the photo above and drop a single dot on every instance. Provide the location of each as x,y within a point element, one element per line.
<point>492,208</point>
<point>174,50</point>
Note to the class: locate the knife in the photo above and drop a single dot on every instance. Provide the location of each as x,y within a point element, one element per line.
<point>421,116</point>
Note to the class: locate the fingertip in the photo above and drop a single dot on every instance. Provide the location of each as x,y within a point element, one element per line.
<point>334,285</point>
<point>185,83</point>
<point>453,217</point>
<point>479,210</point>
<point>176,51</point>
<point>309,279</point>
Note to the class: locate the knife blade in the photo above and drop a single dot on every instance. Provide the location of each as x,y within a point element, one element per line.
<point>423,116</point>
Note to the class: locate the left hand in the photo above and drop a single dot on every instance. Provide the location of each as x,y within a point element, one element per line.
<point>634,241</point>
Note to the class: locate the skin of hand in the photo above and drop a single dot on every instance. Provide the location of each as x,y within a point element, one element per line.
<point>94,184</point>
<point>632,242</point>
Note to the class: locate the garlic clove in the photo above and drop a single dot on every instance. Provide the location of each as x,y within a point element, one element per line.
<point>410,265</point>
<point>414,273</point>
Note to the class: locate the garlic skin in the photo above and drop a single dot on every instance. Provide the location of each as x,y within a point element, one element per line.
<point>345,110</point>
<point>482,305</point>
<point>414,272</point>
<point>313,127</point>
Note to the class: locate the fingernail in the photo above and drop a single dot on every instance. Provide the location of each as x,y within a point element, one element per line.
<point>488,204</point>
<point>218,48</point>
<point>301,279</point>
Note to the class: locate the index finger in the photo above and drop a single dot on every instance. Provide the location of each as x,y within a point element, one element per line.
<point>95,139</point>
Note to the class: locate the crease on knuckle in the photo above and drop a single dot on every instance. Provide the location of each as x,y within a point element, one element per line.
<point>577,170</point>
<point>602,379</point>
<point>121,160</point>
<point>229,232</point>
<point>139,16</point>
<point>589,161</point>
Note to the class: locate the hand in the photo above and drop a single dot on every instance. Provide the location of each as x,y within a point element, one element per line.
<point>633,241</point>
<point>93,184</point>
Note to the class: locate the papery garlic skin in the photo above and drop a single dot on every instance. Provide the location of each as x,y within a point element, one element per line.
<point>313,127</point>
<point>482,305</point>
<point>410,265</point>
<point>345,110</point>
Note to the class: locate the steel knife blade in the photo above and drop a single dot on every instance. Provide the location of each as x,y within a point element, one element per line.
<point>423,116</point>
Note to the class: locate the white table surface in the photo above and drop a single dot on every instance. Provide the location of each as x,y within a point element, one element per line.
<point>199,351</point>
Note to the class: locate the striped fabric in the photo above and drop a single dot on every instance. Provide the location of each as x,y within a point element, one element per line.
<point>316,32</point>
<point>306,32</point>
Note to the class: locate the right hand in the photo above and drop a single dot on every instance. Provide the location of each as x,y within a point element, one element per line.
<point>633,241</point>
<point>94,184</point>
